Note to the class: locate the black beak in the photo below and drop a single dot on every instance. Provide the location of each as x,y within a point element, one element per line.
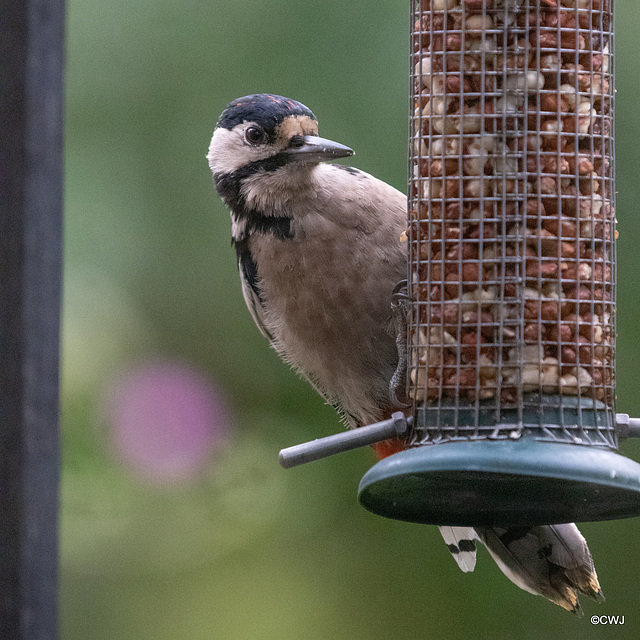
<point>316,149</point>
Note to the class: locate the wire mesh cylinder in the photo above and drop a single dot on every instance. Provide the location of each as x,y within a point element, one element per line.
<point>512,227</point>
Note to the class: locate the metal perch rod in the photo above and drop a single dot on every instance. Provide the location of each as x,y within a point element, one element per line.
<point>339,442</point>
<point>394,427</point>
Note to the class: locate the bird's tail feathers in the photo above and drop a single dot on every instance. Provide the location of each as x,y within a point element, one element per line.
<point>553,561</point>
<point>461,542</point>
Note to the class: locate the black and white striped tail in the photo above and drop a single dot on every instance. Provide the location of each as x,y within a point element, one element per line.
<point>461,542</point>
<point>553,561</point>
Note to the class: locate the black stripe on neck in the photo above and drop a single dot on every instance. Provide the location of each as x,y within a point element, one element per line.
<point>229,184</point>
<point>256,222</point>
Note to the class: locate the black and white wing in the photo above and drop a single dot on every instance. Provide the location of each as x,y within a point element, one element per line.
<point>250,289</point>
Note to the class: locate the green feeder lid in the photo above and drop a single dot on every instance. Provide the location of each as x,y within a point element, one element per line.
<point>502,483</point>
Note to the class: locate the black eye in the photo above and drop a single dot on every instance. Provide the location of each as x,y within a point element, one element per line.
<point>255,135</point>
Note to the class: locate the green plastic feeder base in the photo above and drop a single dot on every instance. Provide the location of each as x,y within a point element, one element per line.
<point>502,483</point>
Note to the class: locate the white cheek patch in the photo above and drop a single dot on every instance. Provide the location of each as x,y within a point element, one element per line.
<point>229,151</point>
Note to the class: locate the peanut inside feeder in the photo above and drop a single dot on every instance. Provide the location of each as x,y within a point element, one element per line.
<point>512,229</point>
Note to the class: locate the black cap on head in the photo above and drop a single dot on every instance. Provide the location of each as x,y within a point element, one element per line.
<point>266,109</point>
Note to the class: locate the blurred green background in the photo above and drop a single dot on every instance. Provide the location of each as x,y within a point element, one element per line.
<point>231,546</point>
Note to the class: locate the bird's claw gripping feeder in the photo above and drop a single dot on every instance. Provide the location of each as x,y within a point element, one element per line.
<point>511,244</point>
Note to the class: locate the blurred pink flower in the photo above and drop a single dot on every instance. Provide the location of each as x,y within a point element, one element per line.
<point>165,419</point>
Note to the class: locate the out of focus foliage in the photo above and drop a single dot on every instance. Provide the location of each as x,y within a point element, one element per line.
<point>182,525</point>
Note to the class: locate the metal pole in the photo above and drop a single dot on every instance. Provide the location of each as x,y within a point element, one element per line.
<point>31,177</point>
<point>320,448</point>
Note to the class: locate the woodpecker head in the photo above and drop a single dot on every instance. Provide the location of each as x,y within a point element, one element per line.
<point>266,136</point>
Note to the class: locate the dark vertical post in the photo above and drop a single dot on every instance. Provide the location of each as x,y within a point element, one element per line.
<point>31,176</point>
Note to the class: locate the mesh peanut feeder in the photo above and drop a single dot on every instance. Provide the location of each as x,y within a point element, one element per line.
<point>511,243</point>
<point>512,231</point>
